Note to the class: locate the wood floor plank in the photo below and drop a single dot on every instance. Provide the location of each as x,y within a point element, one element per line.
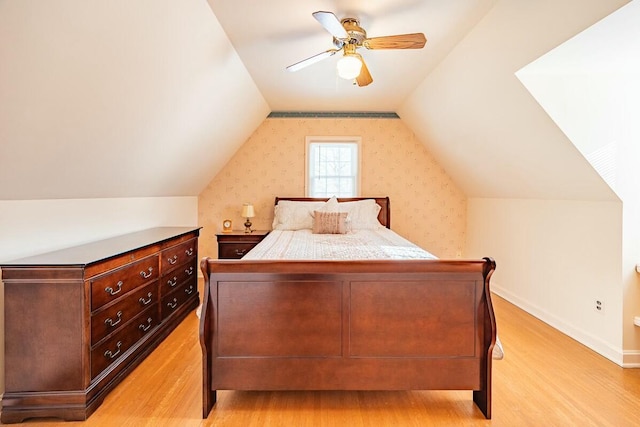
<point>546,378</point>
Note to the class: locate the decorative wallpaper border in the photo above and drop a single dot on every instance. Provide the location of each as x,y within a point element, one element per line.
<point>333,114</point>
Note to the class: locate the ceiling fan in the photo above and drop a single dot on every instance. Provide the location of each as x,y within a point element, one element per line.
<point>348,36</point>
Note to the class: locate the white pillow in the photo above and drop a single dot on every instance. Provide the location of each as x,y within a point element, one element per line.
<point>331,205</point>
<point>295,215</point>
<point>363,214</point>
<point>298,215</point>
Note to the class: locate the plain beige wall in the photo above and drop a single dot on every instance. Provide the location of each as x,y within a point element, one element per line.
<point>426,205</point>
<point>554,259</point>
<point>595,100</point>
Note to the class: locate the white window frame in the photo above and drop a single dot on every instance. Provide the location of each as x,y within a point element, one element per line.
<point>310,140</point>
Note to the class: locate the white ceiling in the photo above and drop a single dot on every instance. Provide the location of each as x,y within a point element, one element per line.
<point>270,35</point>
<point>151,98</point>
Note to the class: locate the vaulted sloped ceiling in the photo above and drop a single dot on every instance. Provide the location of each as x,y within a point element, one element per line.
<point>483,125</point>
<point>590,87</point>
<point>150,98</point>
<point>118,98</point>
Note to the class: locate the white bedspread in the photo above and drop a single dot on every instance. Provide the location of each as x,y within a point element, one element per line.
<point>362,244</point>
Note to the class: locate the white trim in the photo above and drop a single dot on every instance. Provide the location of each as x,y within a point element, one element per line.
<point>631,359</point>
<point>616,355</point>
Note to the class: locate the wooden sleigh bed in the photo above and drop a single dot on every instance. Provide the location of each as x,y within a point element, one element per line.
<point>347,325</point>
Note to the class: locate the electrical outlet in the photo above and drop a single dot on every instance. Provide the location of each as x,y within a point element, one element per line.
<point>599,306</point>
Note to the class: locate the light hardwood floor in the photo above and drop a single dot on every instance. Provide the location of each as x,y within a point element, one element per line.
<point>545,379</point>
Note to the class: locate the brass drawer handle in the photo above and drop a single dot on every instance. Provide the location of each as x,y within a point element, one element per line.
<point>173,304</point>
<point>189,271</point>
<point>173,260</point>
<point>109,354</point>
<point>146,301</point>
<point>189,290</point>
<point>145,328</point>
<point>111,291</point>
<point>172,282</point>
<point>113,323</point>
<point>147,275</point>
<point>241,252</point>
<point>189,252</point>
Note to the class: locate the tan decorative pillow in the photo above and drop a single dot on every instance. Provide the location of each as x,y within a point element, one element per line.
<point>329,222</point>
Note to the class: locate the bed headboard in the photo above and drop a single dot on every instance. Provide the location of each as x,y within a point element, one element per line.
<point>384,216</point>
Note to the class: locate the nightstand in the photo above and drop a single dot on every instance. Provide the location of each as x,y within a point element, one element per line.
<point>236,244</point>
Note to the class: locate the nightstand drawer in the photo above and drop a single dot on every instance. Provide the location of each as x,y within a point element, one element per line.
<point>236,244</point>
<point>235,250</point>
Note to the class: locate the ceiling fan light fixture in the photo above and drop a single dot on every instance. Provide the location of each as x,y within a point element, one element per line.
<point>348,36</point>
<point>349,67</point>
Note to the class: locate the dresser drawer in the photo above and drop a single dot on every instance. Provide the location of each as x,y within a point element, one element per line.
<point>179,254</point>
<point>113,285</point>
<point>176,299</point>
<point>113,317</point>
<point>110,350</point>
<point>176,277</point>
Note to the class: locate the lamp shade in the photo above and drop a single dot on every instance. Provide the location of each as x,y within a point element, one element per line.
<point>349,67</point>
<point>247,211</point>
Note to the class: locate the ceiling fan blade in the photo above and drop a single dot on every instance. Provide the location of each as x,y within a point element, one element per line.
<point>332,24</point>
<point>400,41</point>
<point>312,60</point>
<point>364,78</point>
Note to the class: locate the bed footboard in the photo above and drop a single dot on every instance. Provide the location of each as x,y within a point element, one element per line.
<point>347,325</point>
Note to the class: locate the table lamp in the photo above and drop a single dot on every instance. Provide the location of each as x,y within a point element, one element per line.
<point>248,212</point>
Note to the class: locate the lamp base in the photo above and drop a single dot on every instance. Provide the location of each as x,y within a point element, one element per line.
<point>247,226</point>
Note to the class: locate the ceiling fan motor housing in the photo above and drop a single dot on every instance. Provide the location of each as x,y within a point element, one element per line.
<point>356,33</point>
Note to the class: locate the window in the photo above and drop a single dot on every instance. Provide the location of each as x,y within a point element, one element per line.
<point>333,167</point>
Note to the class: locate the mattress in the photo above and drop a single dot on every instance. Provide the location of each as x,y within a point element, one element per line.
<point>380,243</point>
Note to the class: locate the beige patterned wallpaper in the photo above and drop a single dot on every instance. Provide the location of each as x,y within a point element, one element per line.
<point>426,206</point>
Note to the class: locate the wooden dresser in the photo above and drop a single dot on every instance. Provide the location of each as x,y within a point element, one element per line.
<point>78,320</point>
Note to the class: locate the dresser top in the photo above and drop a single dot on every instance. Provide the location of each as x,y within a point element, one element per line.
<point>102,249</point>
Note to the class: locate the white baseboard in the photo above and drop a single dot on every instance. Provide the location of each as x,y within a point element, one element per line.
<point>616,355</point>
<point>631,359</point>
